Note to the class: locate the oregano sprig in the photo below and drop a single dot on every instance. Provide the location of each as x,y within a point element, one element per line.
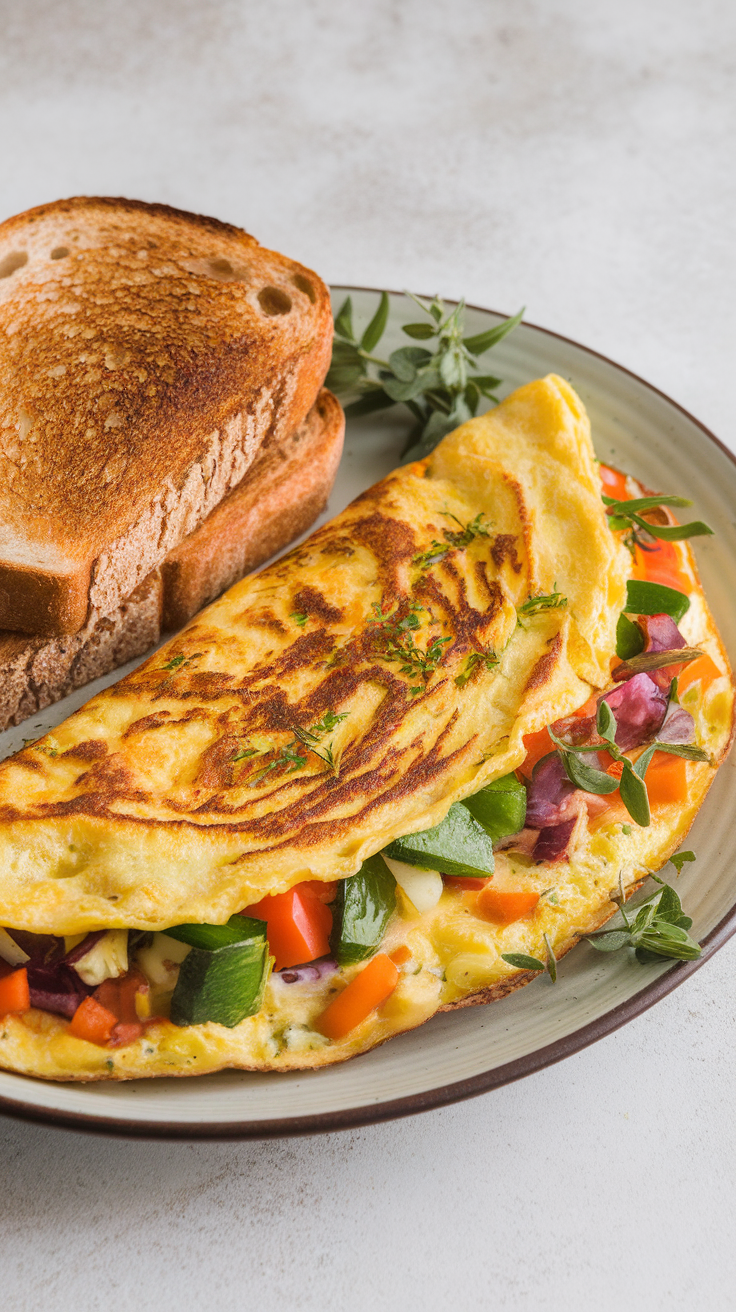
<point>659,928</point>
<point>440,386</point>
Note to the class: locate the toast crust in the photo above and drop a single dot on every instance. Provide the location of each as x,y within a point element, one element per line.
<point>278,499</point>
<point>146,355</point>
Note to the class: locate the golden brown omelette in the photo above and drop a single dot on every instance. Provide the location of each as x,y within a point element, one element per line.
<point>333,750</point>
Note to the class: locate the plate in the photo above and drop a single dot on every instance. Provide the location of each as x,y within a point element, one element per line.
<point>468,1052</point>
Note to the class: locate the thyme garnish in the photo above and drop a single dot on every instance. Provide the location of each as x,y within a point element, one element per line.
<point>467,531</point>
<point>438,386</point>
<point>291,757</point>
<point>487,658</point>
<point>178,663</point>
<point>397,636</point>
<point>543,601</point>
<point>524,962</point>
<point>438,550</point>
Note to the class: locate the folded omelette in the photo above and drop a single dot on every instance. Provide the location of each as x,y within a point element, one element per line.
<point>321,813</point>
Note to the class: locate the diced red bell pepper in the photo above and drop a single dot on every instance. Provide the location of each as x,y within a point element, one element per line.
<point>299,924</point>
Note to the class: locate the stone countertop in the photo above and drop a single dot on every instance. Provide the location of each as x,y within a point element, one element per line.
<point>573,157</point>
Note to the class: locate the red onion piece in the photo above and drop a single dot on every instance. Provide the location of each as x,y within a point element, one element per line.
<point>549,796</point>
<point>553,840</point>
<point>56,988</point>
<point>661,633</point>
<point>640,707</point>
<point>678,726</point>
<point>314,970</point>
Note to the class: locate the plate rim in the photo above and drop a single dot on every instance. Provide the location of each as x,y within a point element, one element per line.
<point>444,1095</point>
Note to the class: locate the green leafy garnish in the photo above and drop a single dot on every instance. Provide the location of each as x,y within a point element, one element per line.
<point>631,783</point>
<point>544,601</point>
<point>476,658</point>
<point>679,859</point>
<point>467,533</point>
<point>524,962</point>
<point>291,757</point>
<point>179,662</point>
<point>627,514</point>
<point>396,641</point>
<point>440,387</point>
<point>644,598</point>
<point>299,617</point>
<point>629,638</point>
<point>658,930</point>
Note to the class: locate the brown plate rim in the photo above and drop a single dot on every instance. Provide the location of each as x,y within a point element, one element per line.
<point>411,1105</point>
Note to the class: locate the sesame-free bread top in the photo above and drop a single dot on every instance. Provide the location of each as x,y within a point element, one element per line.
<point>145,355</point>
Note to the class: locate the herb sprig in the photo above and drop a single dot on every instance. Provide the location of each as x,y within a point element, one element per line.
<point>544,601</point>
<point>438,386</point>
<point>631,783</point>
<point>397,643</point>
<point>628,515</point>
<point>291,757</point>
<point>467,534</point>
<point>524,962</point>
<point>659,928</point>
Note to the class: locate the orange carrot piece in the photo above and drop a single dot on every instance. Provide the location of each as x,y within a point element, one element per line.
<point>93,1022</point>
<point>613,483</point>
<point>703,670</point>
<point>661,565</point>
<point>299,925</point>
<point>375,983</point>
<point>536,745</point>
<point>400,956</point>
<point>14,992</point>
<point>666,779</point>
<point>504,906</point>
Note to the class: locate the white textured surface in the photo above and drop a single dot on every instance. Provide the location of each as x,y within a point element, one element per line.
<point>576,157</point>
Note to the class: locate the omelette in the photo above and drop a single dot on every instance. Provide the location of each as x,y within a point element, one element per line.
<point>352,792</point>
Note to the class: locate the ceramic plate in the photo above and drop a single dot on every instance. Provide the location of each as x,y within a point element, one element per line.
<point>463,1053</point>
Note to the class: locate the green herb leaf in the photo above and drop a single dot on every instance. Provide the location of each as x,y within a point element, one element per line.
<point>377,326</point>
<point>629,638</point>
<point>543,601</point>
<point>299,617</point>
<point>344,320</point>
<point>375,399</point>
<point>482,342</point>
<point>522,961</point>
<point>551,959</point>
<point>644,598</point>
<point>610,941</point>
<point>585,777</point>
<point>605,721</point>
<point>679,859</point>
<point>634,796</point>
<point>673,532</point>
<point>421,331</point>
<point>642,503</point>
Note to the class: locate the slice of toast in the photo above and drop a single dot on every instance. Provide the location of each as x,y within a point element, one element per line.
<point>145,355</point>
<point>280,496</point>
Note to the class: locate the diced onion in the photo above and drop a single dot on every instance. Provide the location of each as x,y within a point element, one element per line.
<point>10,952</point>
<point>422,887</point>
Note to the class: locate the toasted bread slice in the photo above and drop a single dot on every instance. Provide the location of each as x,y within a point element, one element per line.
<point>280,496</point>
<point>278,499</point>
<point>145,355</point>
